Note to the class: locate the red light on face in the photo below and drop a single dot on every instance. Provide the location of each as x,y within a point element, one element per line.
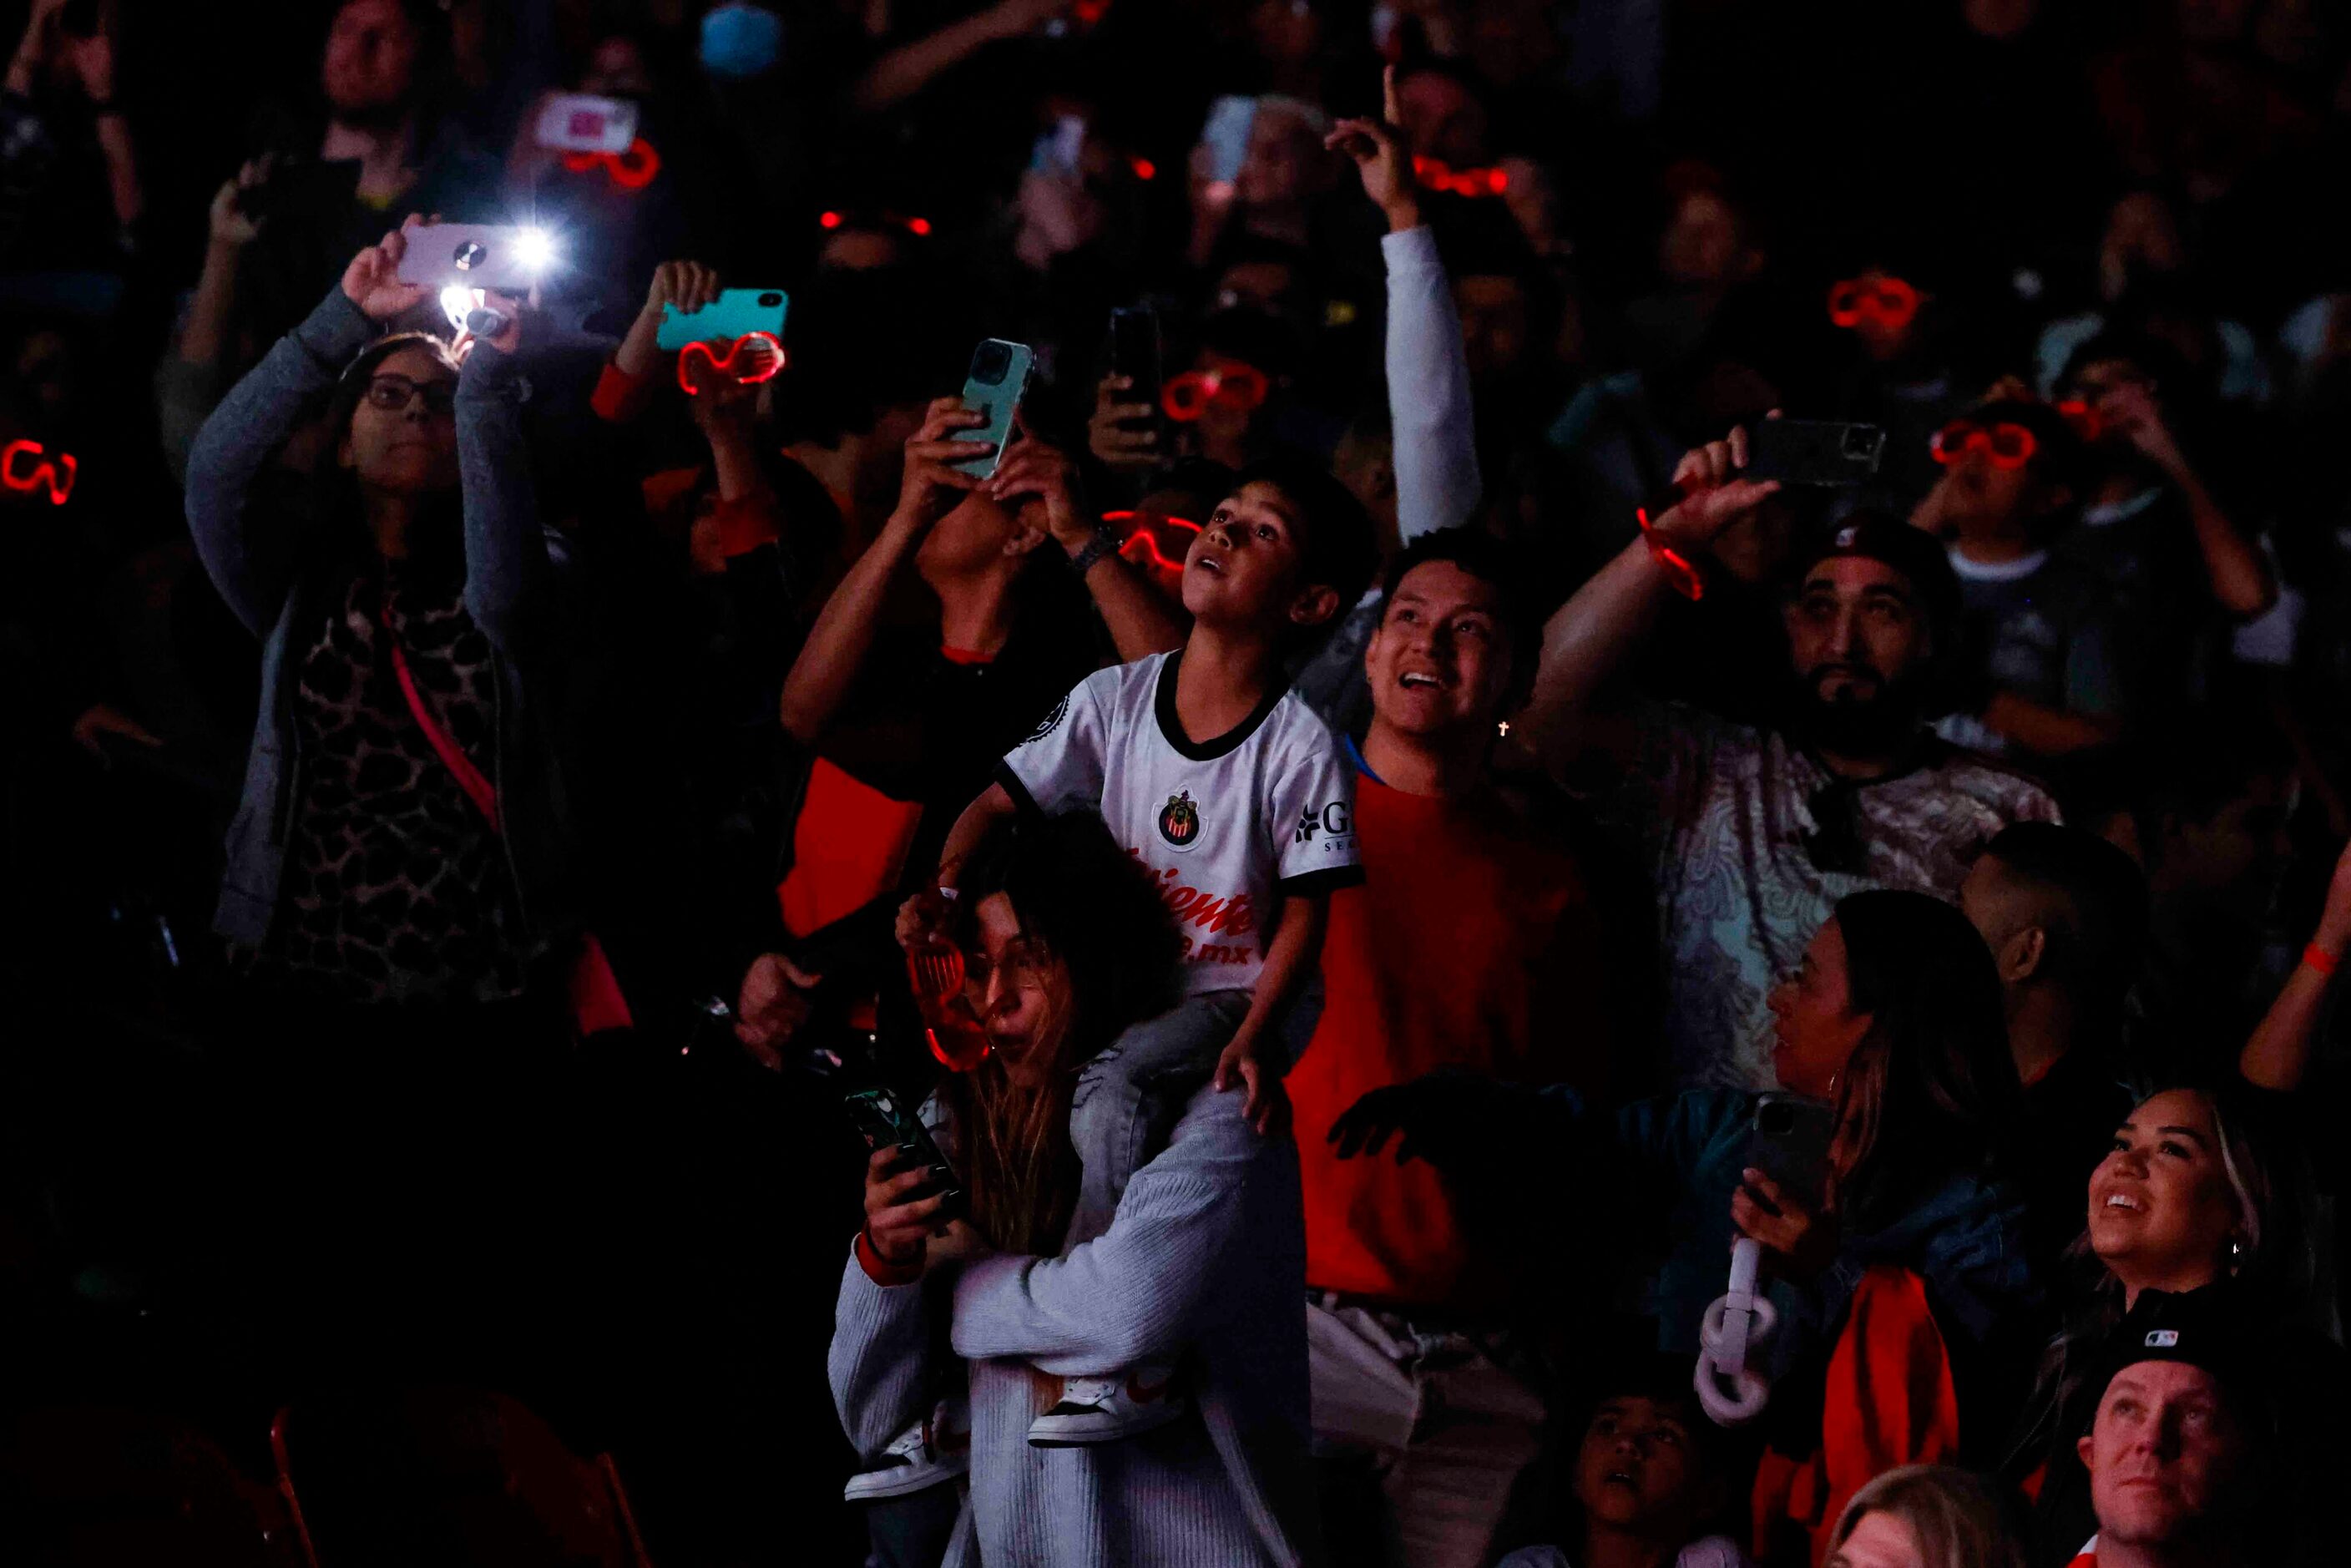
<point>56,472</point>
<point>766,360</point>
<point>631,171</point>
<point>1140,547</point>
<point>1889,302</point>
<point>828,220</point>
<point>920,227</point>
<point>1439,175</point>
<point>2084,417</point>
<point>1999,443</point>
<point>1144,169</point>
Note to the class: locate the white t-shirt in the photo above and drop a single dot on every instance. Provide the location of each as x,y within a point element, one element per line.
<point>1225,826</point>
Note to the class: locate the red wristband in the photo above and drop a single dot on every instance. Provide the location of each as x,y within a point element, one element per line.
<point>1686,578</point>
<point>879,1269</point>
<point>2320,959</point>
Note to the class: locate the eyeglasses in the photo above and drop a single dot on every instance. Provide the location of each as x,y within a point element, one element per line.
<point>919,227</point>
<point>631,171</point>
<point>1998,443</point>
<point>1236,388</point>
<point>392,393</point>
<point>1438,175</point>
<point>1889,302</point>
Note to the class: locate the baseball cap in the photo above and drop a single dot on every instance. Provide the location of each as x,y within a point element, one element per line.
<point>2195,1328</point>
<point>1914,553</point>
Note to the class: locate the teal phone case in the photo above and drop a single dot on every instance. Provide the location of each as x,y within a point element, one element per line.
<point>995,399</point>
<point>735,311</point>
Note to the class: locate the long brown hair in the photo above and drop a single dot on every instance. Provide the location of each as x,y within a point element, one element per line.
<point>1106,949</point>
<point>1931,1089</point>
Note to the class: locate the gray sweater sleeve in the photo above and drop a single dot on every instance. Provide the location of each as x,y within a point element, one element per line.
<point>881,1339</point>
<point>254,573</point>
<point>1145,1288</point>
<point>1429,390</point>
<point>507,568</point>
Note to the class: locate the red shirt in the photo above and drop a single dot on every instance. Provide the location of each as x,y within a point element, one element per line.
<point>1470,944</point>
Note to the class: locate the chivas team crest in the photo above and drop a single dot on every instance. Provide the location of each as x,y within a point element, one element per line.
<point>1179,821</point>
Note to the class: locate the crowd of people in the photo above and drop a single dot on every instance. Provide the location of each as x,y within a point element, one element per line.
<point>1433,783</point>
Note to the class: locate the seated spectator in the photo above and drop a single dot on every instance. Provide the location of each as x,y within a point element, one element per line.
<point>2045,672</point>
<point>1203,1258</point>
<point>2176,1453</point>
<point>1925,1516</point>
<point>2065,913</point>
<point>1906,1273</point>
<point>1655,1481</point>
<point>1470,921</point>
<point>1755,833</point>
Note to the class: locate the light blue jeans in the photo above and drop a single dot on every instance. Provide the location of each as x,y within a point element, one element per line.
<point>1129,1096</point>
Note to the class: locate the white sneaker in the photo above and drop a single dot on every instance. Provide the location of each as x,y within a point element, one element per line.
<point>1104,1409</point>
<point>932,1450</point>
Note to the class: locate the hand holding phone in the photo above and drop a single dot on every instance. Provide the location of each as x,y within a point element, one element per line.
<point>892,1127</point>
<point>999,375</point>
<point>1814,452</point>
<point>735,314</point>
<point>503,258</point>
<point>582,123</point>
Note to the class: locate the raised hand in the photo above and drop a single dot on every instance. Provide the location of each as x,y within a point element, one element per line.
<point>1383,158</point>
<point>1122,435</point>
<point>1713,496</point>
<point>372,281</point>
<point>689,286</point>
<point>228,224</point>
<point>898,1221</point>
<point>1036,468</point>
<point>1803,1242</point>
<point>929,487</point>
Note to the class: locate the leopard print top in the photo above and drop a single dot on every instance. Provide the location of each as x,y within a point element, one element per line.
<point>395,887</point>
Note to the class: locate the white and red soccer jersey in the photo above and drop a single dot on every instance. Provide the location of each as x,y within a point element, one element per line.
<point>1225,825</point>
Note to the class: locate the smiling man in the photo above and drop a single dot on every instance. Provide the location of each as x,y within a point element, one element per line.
<point>1753,835</point>
<point>1470,944</point>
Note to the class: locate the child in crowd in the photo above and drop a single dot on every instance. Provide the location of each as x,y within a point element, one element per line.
<point>1653,1478</point>
<point>1241,803</point>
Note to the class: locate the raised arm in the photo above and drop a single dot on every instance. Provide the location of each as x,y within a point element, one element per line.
<point>2234,566</point>
<point>1436,480</point>
<point>821,678</point>
<point>1591,635</point>
<point>2278,1055</point>
<point>909,69</point>
<point>1141,620</point>
<point>509,579</point>
<point>252,422</point>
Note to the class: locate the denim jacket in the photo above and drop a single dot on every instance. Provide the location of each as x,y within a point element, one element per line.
<point>280,586</point>
<point>1964,1238</point>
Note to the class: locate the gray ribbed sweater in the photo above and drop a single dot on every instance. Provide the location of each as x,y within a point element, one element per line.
<point>1205,1258</point>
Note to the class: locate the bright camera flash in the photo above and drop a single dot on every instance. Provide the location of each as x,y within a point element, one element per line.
<point>535,249</point>
<point>458,303</point>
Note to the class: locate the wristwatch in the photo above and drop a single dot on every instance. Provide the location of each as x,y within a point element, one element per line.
<point>1104,542</point>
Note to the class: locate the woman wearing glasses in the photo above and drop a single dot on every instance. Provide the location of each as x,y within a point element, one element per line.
<point>397,827</point>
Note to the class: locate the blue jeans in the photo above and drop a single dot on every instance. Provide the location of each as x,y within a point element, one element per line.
<point>1130,1095</point>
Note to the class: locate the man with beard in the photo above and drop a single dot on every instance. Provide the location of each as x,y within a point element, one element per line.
<point>1754,834</point>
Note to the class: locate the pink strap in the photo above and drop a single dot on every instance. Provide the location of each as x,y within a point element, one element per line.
<point>470,778</point>
<point>597,1003</point>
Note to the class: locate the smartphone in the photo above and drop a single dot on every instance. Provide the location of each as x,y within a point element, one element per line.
<point>1819,452</point>
<point>582,123</point>
<point>883,1117</point>
<point>1134,351</point>
<point>1060,151</point>
<point>1000,374</point>
<point>1788,1140</point>
<point>504,258</point>
<point>1226,136</point>
<point>735,313</point>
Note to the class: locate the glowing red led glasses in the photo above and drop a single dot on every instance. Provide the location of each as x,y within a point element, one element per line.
<point>1998,442</point>
<point>919,227</point>
<point>1141,548</point>
<point>1440,176</point>
<point>1238,388</point>
<point>2083,416</point>
<point>26,466</point>
<point>753,358</point>
<point>631,171</point>
<point>1887,303</point>
<point>1685,577</point>
<point>936,975</point>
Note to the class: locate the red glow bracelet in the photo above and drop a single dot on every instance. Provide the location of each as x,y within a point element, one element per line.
<point>2320,959</point>
<point>1686,578</point>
